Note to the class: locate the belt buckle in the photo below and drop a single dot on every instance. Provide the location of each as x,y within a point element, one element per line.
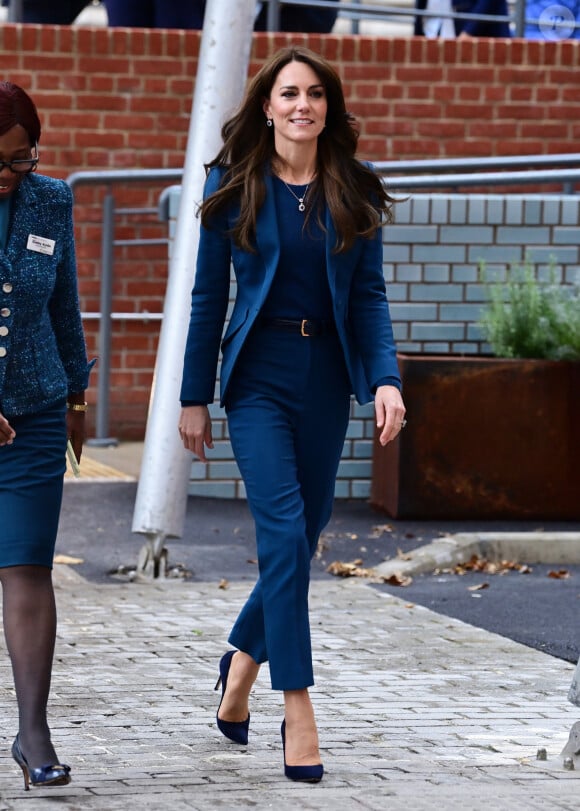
<point>303,327</point>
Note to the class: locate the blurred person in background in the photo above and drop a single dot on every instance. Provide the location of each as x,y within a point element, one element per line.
<point>444,26</point>
<point>300,19</point>
<point>57,12</point>
<point>179,14</point>
<point>155,13</point>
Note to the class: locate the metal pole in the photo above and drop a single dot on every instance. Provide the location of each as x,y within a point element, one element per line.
<point>162,490</point>
<point>105,326</point>
<point>355,25</point>
<point>519,18</point>
<point>273,17</point>
<point>15,11</point>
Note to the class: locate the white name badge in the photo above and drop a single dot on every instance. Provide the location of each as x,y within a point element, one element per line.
<point>40,244</point>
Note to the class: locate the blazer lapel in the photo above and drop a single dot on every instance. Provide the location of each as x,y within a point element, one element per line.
<point>339,266</point>
<point>267,232</point>
<point>22,217</point>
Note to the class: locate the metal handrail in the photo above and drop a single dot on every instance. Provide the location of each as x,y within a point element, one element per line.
<point>356,10</point>
<point>570,176</point>
<point>107,178</point>
<point>477,164</point>
<point>361,11</point>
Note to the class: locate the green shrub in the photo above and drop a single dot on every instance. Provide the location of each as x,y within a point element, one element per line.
<point>527,318</point>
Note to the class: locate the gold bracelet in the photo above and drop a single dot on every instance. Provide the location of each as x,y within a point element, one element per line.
<point>77,406</point>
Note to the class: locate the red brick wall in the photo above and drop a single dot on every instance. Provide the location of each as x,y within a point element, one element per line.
<point>114,98</point>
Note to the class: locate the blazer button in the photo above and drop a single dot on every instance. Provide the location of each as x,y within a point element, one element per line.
<point>2,351</point>
<point>3,331</point>
<point>5,312</point>
<point>7,287</point>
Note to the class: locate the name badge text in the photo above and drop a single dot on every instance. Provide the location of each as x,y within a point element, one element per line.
<point>40,244</point>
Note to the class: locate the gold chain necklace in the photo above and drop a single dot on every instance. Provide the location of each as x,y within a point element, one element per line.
<point>301,206</point>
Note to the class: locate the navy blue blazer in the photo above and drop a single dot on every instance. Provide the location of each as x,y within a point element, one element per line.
<point>357,288</point>
<point>42,347</point>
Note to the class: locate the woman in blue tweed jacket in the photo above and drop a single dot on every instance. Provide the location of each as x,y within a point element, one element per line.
<point>43,376</point>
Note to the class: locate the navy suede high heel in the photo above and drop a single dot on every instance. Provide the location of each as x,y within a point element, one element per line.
<point>303,774</point>
<point>236,731</point>
<point>57,774</point>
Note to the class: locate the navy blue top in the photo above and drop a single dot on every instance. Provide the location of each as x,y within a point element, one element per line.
<point>300,287</point>
<point>301,273</point>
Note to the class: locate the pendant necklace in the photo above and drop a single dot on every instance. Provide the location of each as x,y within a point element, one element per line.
<point>301,206</point>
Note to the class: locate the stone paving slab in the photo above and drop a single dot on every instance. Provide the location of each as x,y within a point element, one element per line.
<point>415,710</point>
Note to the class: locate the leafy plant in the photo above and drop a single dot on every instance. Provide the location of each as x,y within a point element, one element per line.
<point>527,318</point>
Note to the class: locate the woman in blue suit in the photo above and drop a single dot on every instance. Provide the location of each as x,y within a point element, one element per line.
<point>43,376</point>
<point>287,204</point>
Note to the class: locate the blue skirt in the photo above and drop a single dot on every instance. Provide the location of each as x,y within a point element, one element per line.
<point>31,481</point>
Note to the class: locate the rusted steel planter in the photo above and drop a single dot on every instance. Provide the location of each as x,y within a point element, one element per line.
<point>486,438</point>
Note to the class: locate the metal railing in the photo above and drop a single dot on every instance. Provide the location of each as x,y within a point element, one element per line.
<point>108,243</point>
<point>356,11</point>
<point>399,12</point>
<point>456,172</point>
<point>566,177</point>
<point>444,175</point>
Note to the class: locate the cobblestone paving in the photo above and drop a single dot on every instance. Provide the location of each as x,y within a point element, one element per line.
<point>416,710</point>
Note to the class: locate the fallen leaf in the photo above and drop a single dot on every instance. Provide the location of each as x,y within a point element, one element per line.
<point>223,584</point>
<point>354,569</point>
<point>67,559</point>
<point>398,579</point>
<point>379,529</point>
<point>477,564</point>
<point>479,587</point>
<point>561,574</point>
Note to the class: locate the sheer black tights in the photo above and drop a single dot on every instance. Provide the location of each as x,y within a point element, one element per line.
<point>29,616</point>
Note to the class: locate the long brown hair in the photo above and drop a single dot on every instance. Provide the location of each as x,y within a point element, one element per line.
<point>354,194</point>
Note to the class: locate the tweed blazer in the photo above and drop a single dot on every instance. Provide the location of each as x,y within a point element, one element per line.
<point>42,347</point>
<point>357,288</point>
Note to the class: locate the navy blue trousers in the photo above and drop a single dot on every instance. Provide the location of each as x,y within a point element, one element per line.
<point>288,409</point>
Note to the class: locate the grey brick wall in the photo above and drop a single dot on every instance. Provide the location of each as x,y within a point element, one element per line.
<point>431,259</point>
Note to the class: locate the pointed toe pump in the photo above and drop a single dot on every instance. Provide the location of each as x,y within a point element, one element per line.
<point>302,774</point>
<point>51,775</point>
<point>236,731</point>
